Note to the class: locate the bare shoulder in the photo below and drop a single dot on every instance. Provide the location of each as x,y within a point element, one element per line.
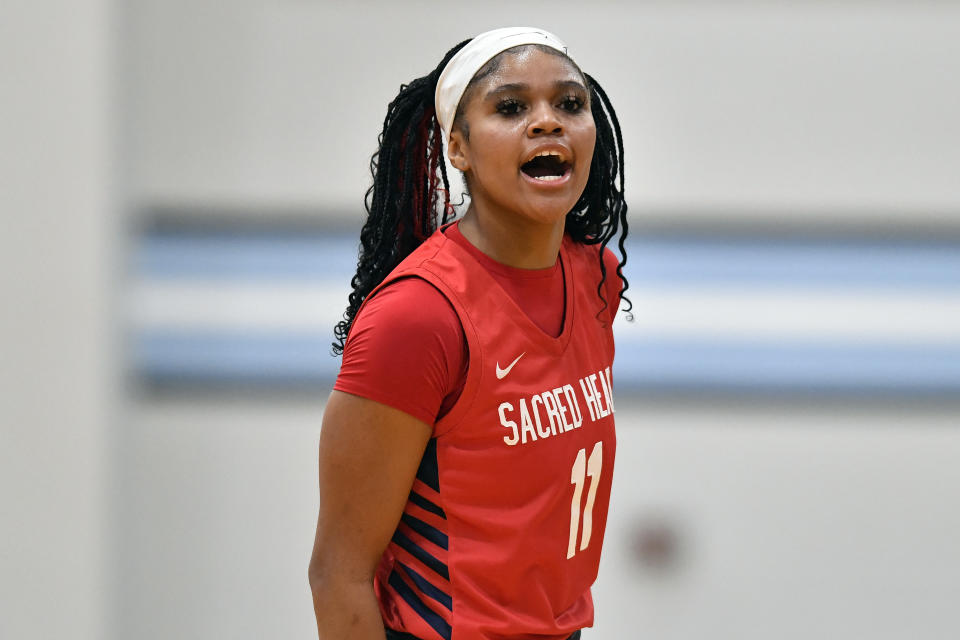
<point>368,420</point>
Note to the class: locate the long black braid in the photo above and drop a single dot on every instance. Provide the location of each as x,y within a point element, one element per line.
<point>408,169</point>
<point>406,198</point>
<point>601,212</point>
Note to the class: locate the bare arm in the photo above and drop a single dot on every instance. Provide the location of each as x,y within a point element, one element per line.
<point>369,454</point>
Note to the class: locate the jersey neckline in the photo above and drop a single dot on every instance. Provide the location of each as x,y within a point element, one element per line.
<point>510,309</point>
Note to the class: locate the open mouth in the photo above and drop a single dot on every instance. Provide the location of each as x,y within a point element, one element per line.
<point>547,167</point>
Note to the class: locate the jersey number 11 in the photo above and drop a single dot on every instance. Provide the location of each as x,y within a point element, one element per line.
<point>582,467</point>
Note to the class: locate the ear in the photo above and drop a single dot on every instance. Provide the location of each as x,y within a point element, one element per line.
<point>457,152</point>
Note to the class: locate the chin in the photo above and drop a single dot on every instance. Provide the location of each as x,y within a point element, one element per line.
<point>548,214</point>
<point>549,204</point>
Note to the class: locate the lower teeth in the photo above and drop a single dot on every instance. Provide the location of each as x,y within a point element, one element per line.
<point>548,178</point>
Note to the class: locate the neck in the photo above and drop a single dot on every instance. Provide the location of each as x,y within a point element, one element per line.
<point>514,241</point>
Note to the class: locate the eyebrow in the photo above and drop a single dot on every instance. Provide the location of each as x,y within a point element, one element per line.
<point>521,86</point>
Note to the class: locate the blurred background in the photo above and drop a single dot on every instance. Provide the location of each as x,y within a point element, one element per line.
<point>181,194</point>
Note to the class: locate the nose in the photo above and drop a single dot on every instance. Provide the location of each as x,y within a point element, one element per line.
<point>543,121</point>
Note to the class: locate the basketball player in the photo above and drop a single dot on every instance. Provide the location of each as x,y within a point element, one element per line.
<point>467,448</point>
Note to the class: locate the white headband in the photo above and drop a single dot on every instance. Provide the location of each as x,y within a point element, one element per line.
<point>465,63</point>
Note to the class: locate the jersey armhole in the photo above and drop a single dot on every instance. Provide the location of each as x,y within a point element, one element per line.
<point>361,375</point>
<point>454,417</point>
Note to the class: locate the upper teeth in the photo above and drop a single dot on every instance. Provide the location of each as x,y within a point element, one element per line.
<point>555,154</point>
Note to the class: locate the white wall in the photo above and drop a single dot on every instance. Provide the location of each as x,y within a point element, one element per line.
<point>58,243</point>
<point>792,523</point>
<point>775,112</point>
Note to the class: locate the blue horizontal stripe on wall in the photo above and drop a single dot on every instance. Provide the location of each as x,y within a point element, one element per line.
<point>243,256</point>
<point>783,366</point>
<point>275,356</point>
<point>214,355</point>
<point>653,260</point>
<point>652,363</point>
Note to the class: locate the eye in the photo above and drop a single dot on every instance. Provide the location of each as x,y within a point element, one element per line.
<point>571,103</point>
<point>509,106</point>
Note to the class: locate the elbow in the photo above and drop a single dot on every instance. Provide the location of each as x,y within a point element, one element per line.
<point>335,570</point>
<point>334,592</point>
<point>322,568</point>
<point>316,576</point>
<point>322,590</point>
<point>325,580</point>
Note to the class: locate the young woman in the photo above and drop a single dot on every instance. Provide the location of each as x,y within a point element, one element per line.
<point>467,448</point>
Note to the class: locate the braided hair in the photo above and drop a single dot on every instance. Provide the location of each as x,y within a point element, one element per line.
<point>410,195</point>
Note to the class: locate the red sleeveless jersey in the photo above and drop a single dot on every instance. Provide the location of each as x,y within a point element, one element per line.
<point>500,538</point>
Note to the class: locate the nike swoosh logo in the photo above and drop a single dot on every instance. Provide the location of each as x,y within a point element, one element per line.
<point>502,373</point>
